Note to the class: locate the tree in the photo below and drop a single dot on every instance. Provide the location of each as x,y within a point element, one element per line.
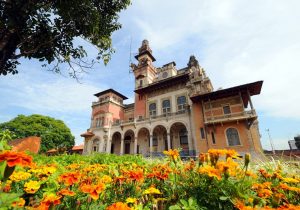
<point>297,141</point>
<point>46,29</point>
<point>54,133</point>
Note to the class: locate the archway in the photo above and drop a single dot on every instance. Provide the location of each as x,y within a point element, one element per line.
<point>95,145</point>
<point>179,137</point>
<point>128,142</point>
<point>116,143</point>
<point>159,138</point>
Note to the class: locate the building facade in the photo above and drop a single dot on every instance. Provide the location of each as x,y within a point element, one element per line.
<point>173,108</point>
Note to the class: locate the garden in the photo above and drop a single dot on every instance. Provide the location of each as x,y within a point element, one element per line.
<point>219,179</point>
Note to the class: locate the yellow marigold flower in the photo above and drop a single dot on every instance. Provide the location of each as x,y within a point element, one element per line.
<point>231,154</point>
<point>48,170</point>
<point>18,176</point>
<point>131,200</point>
<point>210,171</point>
<point>174,154</point>
<point>31,187</point>
<point>290,180</point>
<point>106,179</point>
<point>152,190</point>
<point>20,203</point>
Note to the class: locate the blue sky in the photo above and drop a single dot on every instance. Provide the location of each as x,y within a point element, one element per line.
<point>235,42</point>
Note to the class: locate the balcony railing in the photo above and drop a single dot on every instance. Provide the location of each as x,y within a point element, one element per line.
<point>231,117</point>
<point>151,118</point>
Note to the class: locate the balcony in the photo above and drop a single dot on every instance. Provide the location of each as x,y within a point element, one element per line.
<point>166,116</point>
<point>251,114</point>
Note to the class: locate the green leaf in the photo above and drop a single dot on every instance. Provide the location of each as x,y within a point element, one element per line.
<point>223,198</point>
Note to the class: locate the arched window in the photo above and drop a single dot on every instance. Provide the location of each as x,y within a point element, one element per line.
<point>152,109</point>
<point>96,145</point>
<point>181,103</point>
<point>166,106</point>
<point>232,137</point>
<point>183,136</point>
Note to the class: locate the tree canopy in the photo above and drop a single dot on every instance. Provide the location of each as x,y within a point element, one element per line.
<point>46,29</point>
<point>54,133</point>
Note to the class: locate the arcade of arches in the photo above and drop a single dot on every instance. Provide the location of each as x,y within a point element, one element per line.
<point>147,141</point>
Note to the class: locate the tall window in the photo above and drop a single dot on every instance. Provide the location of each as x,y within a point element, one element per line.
<point>166,106</point>
<point>181,102</point>
<point>96,145</point>
<point>232,137</point>
<point>202,133</point>
<point>213,137</point>
<point>99,122</point>
<point>183,136</point>
<point>152,109</point>
<point>226,109</point>
<point>141,83</point>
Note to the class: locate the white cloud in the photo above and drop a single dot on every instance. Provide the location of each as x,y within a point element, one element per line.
<point>56,94</point>
<point>240,41</point>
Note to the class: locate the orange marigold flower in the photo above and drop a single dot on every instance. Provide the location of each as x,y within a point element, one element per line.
<point>231,154</point>
<point>20,203</point>
<point>93,190</point>
<point>173,154</point>
<point>289,207</point>
<point>118,206</point>
<point>241,206</point>
<point>69,178</point>
<point>49,200</point>
<point>66,192</point>
<point>210,171</point>
<point>135,175</point>
<point>15,158</point>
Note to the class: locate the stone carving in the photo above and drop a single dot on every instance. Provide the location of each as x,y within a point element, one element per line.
<point>193,62</point>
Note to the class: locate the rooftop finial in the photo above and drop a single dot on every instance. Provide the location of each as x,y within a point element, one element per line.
<point>193,62</point>
<point>145,46</point>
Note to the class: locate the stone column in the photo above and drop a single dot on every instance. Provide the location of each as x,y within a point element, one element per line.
<point>190,143</point>
<point>169,141</point>
<point>108,146</point>
<point>122,146</point>
<point>135,145</point>
<point>100,146</point>
<point>151,145</point>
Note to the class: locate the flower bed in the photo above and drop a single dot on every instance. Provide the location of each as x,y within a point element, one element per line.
<point>216,180</point>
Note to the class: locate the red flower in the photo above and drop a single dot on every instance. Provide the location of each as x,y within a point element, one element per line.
<point>15,158</point>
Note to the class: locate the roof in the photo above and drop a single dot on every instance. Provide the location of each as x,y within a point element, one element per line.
<point>87,133</point>
<point>254,88</point>
<point>164,83</point>
<point>31,144</point>
<point>110,91</point>
<point>143,53</point>
<point>127,106</point>
<point>78,147</point>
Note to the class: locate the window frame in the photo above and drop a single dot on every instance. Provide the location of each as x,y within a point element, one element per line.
<point>181,107</point>
<point>229,109</point>
<point>152,113</point>
<point>166,110</point>
<point>238,135</point>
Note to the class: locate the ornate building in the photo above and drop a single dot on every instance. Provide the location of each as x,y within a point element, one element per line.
<point>173,108</point>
